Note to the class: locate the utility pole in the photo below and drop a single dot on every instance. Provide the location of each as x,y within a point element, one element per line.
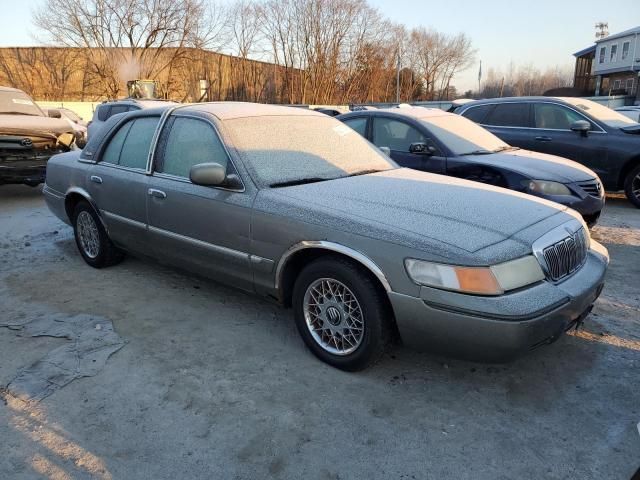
<point>398,78</point>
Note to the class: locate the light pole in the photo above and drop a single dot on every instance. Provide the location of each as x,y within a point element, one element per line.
<point>398,78</point>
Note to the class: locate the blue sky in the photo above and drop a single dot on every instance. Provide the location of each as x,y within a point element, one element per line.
<point>543,32</point>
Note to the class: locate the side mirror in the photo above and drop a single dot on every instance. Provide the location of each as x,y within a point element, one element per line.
<point>420,148</point>
<point>53,113</point>
<point>581,126</point>
<point>385,150</point>
<point>208,174</point>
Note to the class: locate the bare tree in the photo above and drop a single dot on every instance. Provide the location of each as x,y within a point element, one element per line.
<point>125,39</point>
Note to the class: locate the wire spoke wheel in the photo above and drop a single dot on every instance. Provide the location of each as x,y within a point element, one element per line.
<point>635,186</point>
<point>333,316</point>
<point>88,235</point>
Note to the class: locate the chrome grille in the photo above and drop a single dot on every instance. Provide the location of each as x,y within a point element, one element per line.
<point>592,187</point>
<point>566,256</point>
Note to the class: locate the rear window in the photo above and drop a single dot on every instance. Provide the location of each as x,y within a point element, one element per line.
<point>509,115</point>
<point>115,109</point>
<point>477,114</point>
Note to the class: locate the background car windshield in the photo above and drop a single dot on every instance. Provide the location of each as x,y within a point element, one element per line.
<point>462,136</point>
<point>282,149</point>
<point>18,103</point>
<point>602,113</point>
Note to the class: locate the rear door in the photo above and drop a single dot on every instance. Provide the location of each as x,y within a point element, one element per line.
<point>118,182</point>
<point>398,136</point>
<point>511,122</point>
<point>202,228</point>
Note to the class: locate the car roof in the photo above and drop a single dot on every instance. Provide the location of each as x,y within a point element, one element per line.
<point>10,89</point>
<point>232,110</point>
<point>515,99</point>
<point>146,103</point>
<point>418,113</point>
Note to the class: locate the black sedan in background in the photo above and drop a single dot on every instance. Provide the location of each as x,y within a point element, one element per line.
<point>435,141</point>
<point>589,133</point>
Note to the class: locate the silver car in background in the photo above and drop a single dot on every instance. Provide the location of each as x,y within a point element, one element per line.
<point>295,206</point>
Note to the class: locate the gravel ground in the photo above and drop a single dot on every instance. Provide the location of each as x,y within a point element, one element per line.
<point>213,383</point>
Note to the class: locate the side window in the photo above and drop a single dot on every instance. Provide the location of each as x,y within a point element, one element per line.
<point>130,145</point>
<point>395,134</point>
<point>509,115</point>
<point>557,117</point>
<point>477,114</point>
<point>114,147</point>
<point>190,142</point>
<point>358,124</point>
<point>103,112</point>
<point>115,109</point>
<point>136,146</point>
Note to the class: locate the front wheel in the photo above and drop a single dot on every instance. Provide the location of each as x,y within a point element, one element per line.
<point>632,186</point>
<point>91,238</point>
<point>341,313</point>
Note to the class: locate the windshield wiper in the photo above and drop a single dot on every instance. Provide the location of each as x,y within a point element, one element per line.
<point>20,113</point>
<point>505,148</point>
<point>301,181</point>
<point>364,172</point>
<point>479,152</point>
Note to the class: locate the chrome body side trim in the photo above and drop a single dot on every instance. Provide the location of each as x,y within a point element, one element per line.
<point>333,247</point>
<point>570,107</point>
<point>199,243</point>
<point>128,221</point>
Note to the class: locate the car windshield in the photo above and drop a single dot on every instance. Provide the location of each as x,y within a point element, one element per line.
<point>18,103</point>
<point>290,150</point>
<point>600,112</point>
<point>462,136</point>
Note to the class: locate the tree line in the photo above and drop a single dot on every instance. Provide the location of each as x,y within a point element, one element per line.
<point>320,51</point>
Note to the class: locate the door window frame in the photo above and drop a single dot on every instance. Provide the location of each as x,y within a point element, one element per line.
<point>158,150</point>
<point>399,120</point>
<point>107,140</point>
<point>592,122</point>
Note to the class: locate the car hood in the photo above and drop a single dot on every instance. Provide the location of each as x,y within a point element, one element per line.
<point>33,126</point>
<point>418,210</point>
<point>537,166</point>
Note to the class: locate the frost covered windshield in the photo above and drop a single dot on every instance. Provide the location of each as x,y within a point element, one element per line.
<point>289,150</point>
<point>462,136</point>
<point>602,113</point>
<point>18,103</point>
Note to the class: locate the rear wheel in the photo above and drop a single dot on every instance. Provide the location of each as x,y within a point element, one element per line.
<point>632,186</point>
<point>341,313</point>
<point>91,238</point>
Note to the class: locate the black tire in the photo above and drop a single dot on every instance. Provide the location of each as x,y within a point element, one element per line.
<point>106,253</point>
<point>370,296</point>
<point>631,183</point>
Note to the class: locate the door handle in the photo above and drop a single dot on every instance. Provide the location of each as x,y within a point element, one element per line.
<point>96,179</point>
<point>543,139</point>
<point>157,193</point>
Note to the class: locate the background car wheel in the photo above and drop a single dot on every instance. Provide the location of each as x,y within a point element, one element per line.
<point>632,186</point>
<point>92,239</point>
<point>341,313</point>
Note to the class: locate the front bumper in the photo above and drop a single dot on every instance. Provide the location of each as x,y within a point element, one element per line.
<point>499,328</point>
<point>28,169</point>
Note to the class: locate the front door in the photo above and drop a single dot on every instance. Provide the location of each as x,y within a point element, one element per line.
<point>398,136</point>
<point>205,229</point>
<point>118,182</point>
<point>553,135</point>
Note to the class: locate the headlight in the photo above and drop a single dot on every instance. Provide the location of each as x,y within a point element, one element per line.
<point>546,188</point>
<point>494,280</point>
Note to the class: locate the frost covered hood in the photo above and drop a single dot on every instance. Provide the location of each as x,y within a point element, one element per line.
<point>417,207</point>
<point>537,166</point>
